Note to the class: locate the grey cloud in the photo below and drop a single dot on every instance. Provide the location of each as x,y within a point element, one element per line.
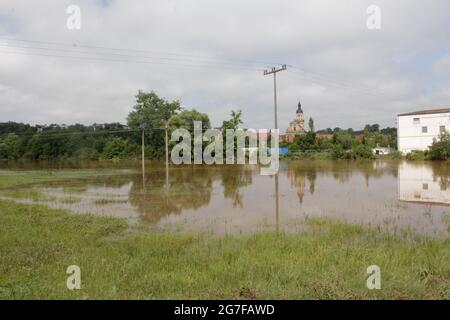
<point>348,75</point>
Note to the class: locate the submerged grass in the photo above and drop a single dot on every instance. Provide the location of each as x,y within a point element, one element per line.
<point>329,261</point>
<point>9,178</point>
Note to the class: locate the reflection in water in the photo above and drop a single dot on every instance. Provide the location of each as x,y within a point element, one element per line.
<point>277,203</point>
<point>388,195</point>
<point>424,184</point>
<point>189,189</point>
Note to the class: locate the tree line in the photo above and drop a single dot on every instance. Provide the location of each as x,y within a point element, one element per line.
<point>156,117</point>
<point>151,114</point>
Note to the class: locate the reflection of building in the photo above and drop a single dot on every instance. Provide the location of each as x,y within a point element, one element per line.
<point>420,184</point>
<point>298,181</point>
<point>416,130</point>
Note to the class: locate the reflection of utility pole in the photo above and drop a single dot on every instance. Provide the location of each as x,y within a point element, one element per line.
<point>143,156</point>
<point>277,203</point>
<point>277,195</point>
<point>167,154</point>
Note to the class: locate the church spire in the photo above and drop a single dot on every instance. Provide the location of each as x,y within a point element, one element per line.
<point>299,108</point>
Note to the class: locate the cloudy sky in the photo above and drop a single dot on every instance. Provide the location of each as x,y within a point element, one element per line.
<point>210,55</point>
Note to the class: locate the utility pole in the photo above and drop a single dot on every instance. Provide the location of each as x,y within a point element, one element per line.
<point>274,71</point>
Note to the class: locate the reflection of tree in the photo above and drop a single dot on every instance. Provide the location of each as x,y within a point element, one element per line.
<point>341,171</point>
<point>441,171</point>
<point>233,178</point>
<point>190,187</point>
<point>311,176</point>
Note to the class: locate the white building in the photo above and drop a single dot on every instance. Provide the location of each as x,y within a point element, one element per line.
<point>416,130</point>
<point>381,151</point>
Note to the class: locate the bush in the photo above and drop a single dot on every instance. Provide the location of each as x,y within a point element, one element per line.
<point>87,154</point>
<point>117,148</point>
<point>359,152</point>
<point>338,152</point>
<point>440,150</point>
<point>395,154</point>
<point>416,155</point>
<point>363,152</point>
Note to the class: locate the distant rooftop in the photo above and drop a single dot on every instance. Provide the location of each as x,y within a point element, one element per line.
<point>429,111</point>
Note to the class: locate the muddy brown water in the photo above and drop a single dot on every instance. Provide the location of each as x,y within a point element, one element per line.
<point>386,195</point>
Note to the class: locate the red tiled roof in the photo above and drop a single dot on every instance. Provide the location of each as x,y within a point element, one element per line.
<point>324,135</point>
<point>429,111</point>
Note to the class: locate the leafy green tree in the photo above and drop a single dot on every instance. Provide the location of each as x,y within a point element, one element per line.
<point>306,142</point>
<point>152,113</point>
<point>234,121</point>
<point>343,138</point>
<point>115,148</point>
<point>10,147</point>
<point>311,125</point>
<point>440,149</point>
<point>185,119</point>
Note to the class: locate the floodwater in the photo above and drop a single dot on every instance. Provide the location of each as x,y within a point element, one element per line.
<point>387,195</point>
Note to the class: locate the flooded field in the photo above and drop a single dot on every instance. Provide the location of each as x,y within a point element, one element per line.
<point>393,196</point>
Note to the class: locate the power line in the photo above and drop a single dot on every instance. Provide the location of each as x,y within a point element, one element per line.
<point>99,132</point>
<point>181,58</point>
<point>201,57</point>
<point>125,55</point>
<point>128,61</point>
<point>326,83</point>
<point>324,78</point>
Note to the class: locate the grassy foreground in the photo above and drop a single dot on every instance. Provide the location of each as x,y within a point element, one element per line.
<point>37,245</point>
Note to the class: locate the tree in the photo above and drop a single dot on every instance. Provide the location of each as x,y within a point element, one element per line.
<point>440,149</point>
<point>343,138</point>
<point>152,114</point>
<point>234,122</point>
<point>311,124</point>
<point>116,148</point>
<point>10,147</point>
<point>185,119</point>
<point>372,128</point>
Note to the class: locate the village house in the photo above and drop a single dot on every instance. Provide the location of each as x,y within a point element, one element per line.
<point>417,130</point>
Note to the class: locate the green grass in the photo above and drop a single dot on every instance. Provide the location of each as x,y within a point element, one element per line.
<point>329,261</point>
<point>12,178</point>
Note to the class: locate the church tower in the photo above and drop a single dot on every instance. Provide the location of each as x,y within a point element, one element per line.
<point>297,126</point>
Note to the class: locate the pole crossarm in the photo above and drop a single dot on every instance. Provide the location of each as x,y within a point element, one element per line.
<point>274,70</point>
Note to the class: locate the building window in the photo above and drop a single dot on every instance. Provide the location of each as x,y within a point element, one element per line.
<point>425,186</point>
<point>442,129</point>
<point>416,120</point>
<point>424,129</point>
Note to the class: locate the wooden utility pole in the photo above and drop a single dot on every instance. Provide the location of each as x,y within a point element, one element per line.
<point>274,71</point>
